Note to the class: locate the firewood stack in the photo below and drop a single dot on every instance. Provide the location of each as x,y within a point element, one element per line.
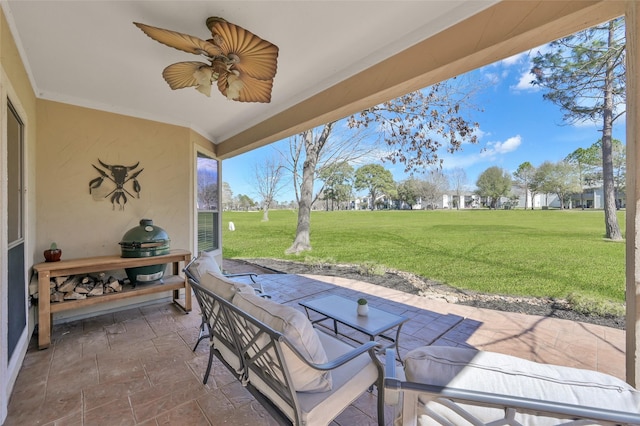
<point>76,287</point>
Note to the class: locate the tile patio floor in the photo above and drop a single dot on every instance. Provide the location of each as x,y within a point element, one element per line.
<point>136,366</point>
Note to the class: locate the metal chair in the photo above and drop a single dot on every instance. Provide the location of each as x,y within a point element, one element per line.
<point>257,286</point>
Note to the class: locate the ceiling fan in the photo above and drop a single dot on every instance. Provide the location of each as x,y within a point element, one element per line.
<point>242,64</point>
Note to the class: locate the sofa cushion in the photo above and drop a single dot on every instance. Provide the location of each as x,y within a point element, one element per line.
<point>350,380</point>
<point>508,375</point>
<point>205,262</point>
<point>224,287</point>
<point>297,328</point>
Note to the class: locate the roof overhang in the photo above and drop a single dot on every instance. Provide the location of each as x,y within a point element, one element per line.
<point>336,58</point>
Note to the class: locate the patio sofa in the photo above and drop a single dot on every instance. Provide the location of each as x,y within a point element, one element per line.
<point>442,385</point>
<point>300,374</point>
<point>206,262</point>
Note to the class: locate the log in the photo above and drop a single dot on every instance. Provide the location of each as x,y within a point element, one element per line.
<point>74,296</point>
<point>115,285</point>
<point>69,285</point>
<point>57,297</point>
<point>98,290</point>
<point>81,290</point>
<point>60,280</point>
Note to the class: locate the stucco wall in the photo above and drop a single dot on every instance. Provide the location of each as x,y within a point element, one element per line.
<point>15,87</point>
<point>71,140</point>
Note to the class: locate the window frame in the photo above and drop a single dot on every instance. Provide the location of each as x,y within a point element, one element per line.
<point>213,234</point>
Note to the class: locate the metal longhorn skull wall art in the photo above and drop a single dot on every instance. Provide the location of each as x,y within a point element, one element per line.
<point>242,64</point>
<point>120,176</point>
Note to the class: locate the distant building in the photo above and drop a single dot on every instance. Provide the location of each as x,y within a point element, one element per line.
<point>592,198</point>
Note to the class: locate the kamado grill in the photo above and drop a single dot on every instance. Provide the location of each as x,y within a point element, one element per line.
<point>145,240</point>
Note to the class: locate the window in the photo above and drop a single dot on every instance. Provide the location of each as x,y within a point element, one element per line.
<point>207,203</point>
<point>14,185</point>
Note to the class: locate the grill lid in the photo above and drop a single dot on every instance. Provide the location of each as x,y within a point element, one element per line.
<point>145,236</point>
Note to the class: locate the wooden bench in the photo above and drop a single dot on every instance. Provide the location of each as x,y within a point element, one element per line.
<point>47,270</point>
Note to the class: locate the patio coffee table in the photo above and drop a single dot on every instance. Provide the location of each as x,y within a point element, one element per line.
<point>342,310</point>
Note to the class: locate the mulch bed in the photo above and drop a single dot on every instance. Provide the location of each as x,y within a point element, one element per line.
<point>414,284</point>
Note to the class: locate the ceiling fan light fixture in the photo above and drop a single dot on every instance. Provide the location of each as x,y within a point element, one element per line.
<point>204,77</point>
<point>242,63</point>
<point>235,86</point>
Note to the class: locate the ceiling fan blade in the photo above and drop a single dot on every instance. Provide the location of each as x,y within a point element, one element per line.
<point>248,89</point>
<point>257,58</point>
<point>180,41</point>
<point>189,74</point>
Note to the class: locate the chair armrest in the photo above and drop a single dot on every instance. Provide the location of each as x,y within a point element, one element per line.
<point>255,284</point>
<point>244,274</point>
<point>187,272</point>
<point>370,347</point>
<point>450,396</point>
<point>389,364</point>
<point>392,383</point>
<point>421,393</point>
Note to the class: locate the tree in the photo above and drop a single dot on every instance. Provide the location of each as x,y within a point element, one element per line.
<point>268,176</point>
<point>523,178</point>
<point>619,167</point>
<point>227,196</point>
<point>245,202</point>
<point>309,153</point>
<point>409,191</point>
<point>494,183</point>
<point>585,161</point>
<point>458,180</point>
<point>619,160</point>
<point>584,74</point>
<point>376,180</point>
<point>208,197</point>
<point>434,186</point>
<point>540,177</point>
<point>313,148</point>
<point>567,181</point>
<point>414,126</point>
<point>337,178</point>
<point>559,178</point>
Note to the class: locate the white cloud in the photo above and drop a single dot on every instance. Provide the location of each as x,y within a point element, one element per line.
<point>492,153</point>
<point>462,161</point>
<point>524,83</point>
<point>496,148</point>
<point>515,59</point>
<point>492,77</point>
<point>525,65</point>
<point>480,133</point>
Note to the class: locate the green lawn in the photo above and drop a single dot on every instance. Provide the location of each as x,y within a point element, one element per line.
<point>531,253</point>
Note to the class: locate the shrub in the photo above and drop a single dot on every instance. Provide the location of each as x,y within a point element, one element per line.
<point>371,268</point>
<point>320,263</point>
<point>593,306</point>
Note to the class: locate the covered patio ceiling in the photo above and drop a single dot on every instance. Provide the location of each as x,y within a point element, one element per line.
<point>335,57</point>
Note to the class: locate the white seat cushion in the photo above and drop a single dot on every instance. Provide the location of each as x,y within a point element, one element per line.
<point>349,382</point>
<point>503,374</point>
<point>224,287</point>
<point>297,328</point>
<point>205,262</point>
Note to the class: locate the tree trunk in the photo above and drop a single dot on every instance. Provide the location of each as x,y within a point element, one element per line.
<point>313,149</point>
<point>302,241</point>
<point>610,218</point>
<point>265,213</point>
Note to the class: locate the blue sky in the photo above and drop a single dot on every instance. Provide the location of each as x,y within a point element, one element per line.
<point>516,125</point>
